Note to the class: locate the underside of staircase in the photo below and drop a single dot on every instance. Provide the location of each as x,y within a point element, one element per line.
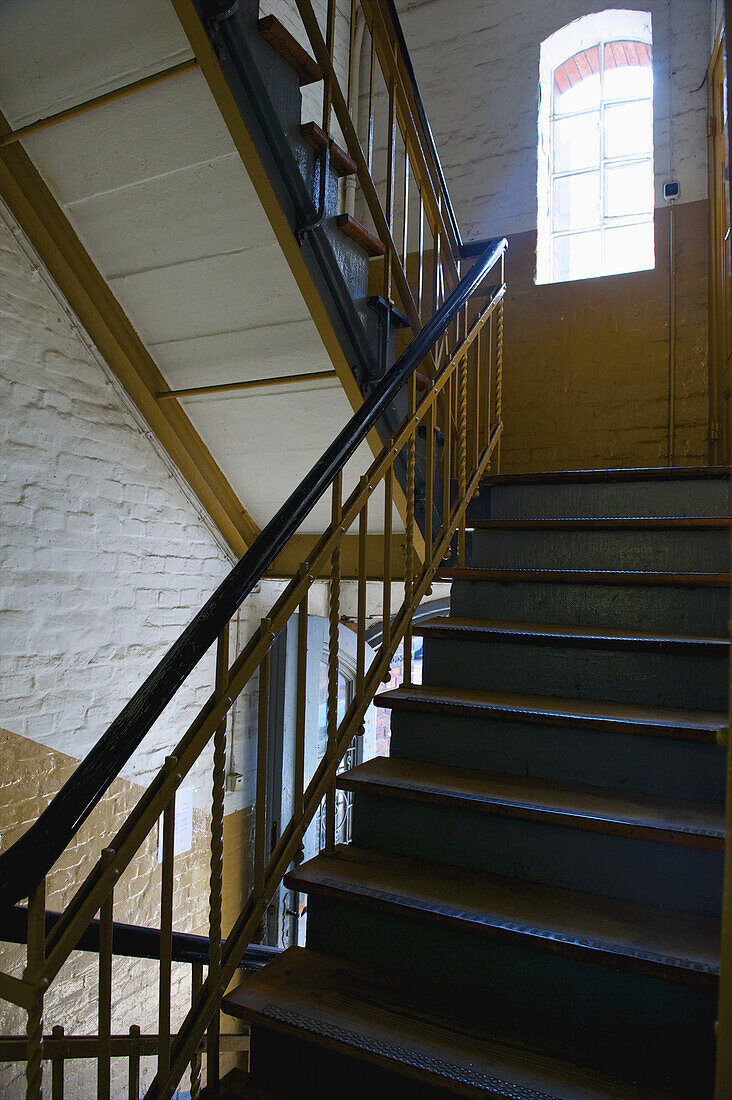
<point>530,904</point>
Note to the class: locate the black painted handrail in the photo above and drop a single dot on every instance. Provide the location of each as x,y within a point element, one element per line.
<point>134,941</point>
<point>24,865</point>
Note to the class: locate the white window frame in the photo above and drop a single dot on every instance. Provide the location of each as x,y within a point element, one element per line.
<point>596,30</point>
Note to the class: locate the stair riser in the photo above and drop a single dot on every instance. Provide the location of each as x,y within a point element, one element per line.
<point>612,607</point>
<point>625,676</point>
<point>695,497</point>
<point>651,765</point>
<point>663,551</point>
<point>615,866</point>
<point>515,982</point>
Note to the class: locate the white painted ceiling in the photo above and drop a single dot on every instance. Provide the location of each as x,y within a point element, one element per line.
<point>156,191</point>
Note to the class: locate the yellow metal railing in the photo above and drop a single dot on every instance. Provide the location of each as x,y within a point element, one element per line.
<point>454,405</point>
<point>407,203</point>
<point>469,384</point>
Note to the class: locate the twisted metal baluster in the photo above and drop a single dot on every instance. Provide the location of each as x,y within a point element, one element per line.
<point>217,855</point>
<point>499,378</point>
<point>34,967</point>
<point>463,448</point>
<point>333,630</point>
<point>409,542</point>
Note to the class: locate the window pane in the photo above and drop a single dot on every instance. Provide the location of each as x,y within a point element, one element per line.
<point>629,189</point>
<point>578,256</point>
<point>577,201</point>
<point>627,81</point>
<point>582,96</point>
<point>577,143</point>
<point>629,129</point>
<point>343,686</point>
<point>322,708</point>
<point>629,248</point>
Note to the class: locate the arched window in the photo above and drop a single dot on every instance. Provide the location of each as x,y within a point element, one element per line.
<point>595,179</point>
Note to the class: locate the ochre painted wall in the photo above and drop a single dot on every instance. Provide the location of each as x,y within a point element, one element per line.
<point>30,775</point>
<point>587,363</point>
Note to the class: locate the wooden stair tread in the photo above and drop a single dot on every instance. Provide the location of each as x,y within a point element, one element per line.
<point>497,630</point>
<point>597,809</point>
<point>290,50</point>
<point>685,725</point>
<point>592,523</point>
<point>360,235</point>
<point>650,473</point>
<point>383,1020</point>
<point>340,162</point>
<point>584,576</point>
<point>625,935</point>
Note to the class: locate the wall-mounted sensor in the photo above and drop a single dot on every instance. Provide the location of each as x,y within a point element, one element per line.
<point>671,191</point>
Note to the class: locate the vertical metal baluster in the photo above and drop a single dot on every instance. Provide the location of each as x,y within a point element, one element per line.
<point>302,687</point>
<point>420,254</point>
<point>35,957</point>
<point>429,493</point>
<point>216,878</point>
<point>390,258</point>
<point>405,230</point>
<point>462,448</point>
<point>370,133</point>
<point>104,1060</point>
<point>134,1064</point>
<point>409,540</point>
<point>447,452</point>
<point>388,505</point>
<point>476,368</point>
<point>435,288</point>
<point>489,380</point>
<point>327,83</point>
<point>352,91</point>
<point>260,813</point>
<point>499,379</point>
<point>196,983</point>
<point>57,1065</point>
<point>333,631</point>
<point>166,930</point>
<point>363,519</point>
<point>438,271</point>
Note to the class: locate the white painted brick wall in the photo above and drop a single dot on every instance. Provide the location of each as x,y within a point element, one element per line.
<point>717,19</point>
<point>477,63</point>
<point>106,558</point>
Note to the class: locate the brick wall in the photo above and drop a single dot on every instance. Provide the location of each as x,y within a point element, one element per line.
<point>30,775</point>
<point>477,64</point>
<point>106,557</point>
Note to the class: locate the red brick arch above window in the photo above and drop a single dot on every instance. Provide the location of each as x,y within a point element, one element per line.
<point>586,62</point>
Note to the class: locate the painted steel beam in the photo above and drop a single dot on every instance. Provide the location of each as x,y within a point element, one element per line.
<point>299,548</point>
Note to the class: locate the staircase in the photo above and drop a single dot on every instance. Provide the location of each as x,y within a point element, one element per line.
<point>530,905</point>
